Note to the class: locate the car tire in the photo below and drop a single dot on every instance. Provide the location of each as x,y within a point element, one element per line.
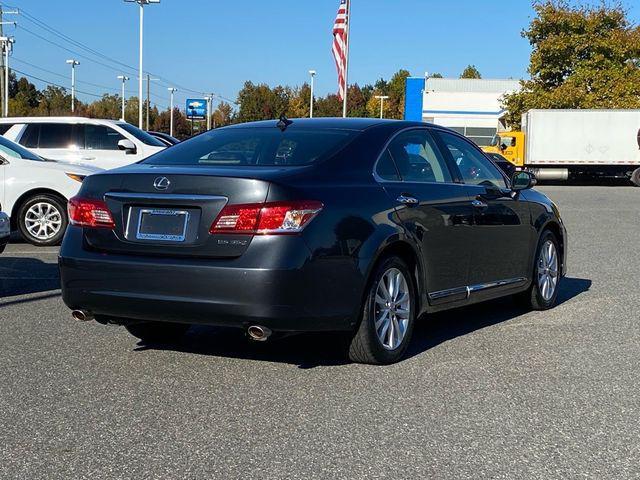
<point>373,341</point>
<point>52,210</point>
<point>635,177</point>
<point>538,296</point>
<point>157,332</point>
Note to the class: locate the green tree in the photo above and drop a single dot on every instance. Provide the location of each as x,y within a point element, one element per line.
<point>471,72</point>
<point>109,106</point>
<point>299,100</point>
<point>396,91</point>
<point>223,115</point>
<point>260,102</point>
<point>582,57</point>
<point>329,106</point>
<point>55,101</point>
<point>436,75</point>
<point>25,98</point>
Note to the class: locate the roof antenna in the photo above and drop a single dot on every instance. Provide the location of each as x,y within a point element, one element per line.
<point>283,123</point>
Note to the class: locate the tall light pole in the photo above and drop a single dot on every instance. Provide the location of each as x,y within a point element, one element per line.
<point>123,78</point>
<point>142,3</point>
<point>382,98</point>
<point>172,91</point>
<point>313,76</point>
<point>73,64</point>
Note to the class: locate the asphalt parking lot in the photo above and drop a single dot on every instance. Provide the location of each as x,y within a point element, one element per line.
<point>487,392</point>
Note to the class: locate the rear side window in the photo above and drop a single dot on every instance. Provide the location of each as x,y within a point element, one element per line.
<point>255,147</point>
<point>386,169</point>
<point>99,137</point>
<point>30,136</point>
<point>4,127</point>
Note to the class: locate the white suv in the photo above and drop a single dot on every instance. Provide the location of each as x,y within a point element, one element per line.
<point>88,141</point>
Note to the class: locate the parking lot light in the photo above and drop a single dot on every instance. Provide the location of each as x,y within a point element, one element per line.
<point>313,75</point>
<point>73,64</point>
<point>123,78</point>
<point>142,3</point>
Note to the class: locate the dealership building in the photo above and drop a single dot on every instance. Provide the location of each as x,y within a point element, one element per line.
<point>469,106</point>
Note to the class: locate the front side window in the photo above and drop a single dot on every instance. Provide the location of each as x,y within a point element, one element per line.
<point>99,137</point>
<point>417,159</point>
<point>474,167</point>
<point>255,147</point>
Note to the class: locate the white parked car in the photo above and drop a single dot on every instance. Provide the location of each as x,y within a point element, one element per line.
<point>34,192</point>
<point>88,141</point>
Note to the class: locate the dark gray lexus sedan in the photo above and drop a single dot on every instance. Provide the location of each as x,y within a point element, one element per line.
<point>353,225</point>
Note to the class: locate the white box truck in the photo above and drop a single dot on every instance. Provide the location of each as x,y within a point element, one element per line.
<point>564,144</point>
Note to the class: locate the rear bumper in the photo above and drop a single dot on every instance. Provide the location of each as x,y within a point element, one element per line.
<point>285,293</point>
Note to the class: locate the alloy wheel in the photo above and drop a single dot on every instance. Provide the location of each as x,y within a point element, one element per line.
<point>548,270</point>
<point>392,309</point>
<point>43,221</point>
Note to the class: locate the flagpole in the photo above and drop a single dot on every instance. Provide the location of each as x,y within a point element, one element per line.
<point>346,63</point>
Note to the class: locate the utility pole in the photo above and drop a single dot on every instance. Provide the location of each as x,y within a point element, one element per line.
<point>209,99</point>
<point>123,78</point>
<point>382,98</point>
<point>4,84</point>
<point>313,76</point>
<point>149,80</point>
<point>73,64</point>
<point>172,91</point>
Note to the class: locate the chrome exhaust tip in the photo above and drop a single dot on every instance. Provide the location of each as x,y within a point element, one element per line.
<point>82,315</point>
<point>258,333</point>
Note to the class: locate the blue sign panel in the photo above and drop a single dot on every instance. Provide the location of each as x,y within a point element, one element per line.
<point>196,108</point>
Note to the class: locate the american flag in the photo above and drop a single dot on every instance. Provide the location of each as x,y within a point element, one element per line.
<point>340,53</point>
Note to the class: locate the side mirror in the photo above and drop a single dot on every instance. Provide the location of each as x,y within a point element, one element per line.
<point>128,146</point>
<point>523,181</point>
<point>3,161</point>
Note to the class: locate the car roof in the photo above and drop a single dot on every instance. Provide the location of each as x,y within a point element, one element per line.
<point>330,123</point>
<point>60,120</point>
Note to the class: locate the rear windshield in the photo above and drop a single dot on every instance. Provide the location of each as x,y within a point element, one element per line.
<point>255,147</point>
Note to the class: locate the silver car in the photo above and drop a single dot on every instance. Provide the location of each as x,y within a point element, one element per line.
<point>5,231</point>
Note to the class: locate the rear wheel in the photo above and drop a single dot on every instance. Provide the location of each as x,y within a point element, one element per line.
<point>543,293</point>
<point>388,315</point>
<point>42,220</point>
<point>158,332</point>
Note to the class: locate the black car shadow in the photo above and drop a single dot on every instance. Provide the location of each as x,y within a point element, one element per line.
<point>25,275</point>
<point>311,350</point>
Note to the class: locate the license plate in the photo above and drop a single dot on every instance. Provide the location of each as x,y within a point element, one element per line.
<point>162,224</point>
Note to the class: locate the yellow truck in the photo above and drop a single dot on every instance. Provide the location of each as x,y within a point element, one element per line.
<point>572,144</point>
<point>510,145</point>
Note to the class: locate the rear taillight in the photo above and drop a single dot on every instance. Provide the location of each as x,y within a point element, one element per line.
<point>266,218</point>
<point>86,212</point>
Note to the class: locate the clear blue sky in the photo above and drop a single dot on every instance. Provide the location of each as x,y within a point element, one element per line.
<point>215,45</point>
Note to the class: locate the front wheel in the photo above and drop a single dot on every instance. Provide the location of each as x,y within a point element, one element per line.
<point>42,220</point>
<point>543,293</point>
<point>635,177</point>
<point>388,315</point>
<point>157,332</point>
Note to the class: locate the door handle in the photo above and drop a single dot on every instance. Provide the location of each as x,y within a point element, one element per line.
<point>478,204</point>
<point>407,199</point>
<point>88,158</point>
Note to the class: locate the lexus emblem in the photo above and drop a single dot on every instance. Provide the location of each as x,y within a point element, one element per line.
<point>161,183</point>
